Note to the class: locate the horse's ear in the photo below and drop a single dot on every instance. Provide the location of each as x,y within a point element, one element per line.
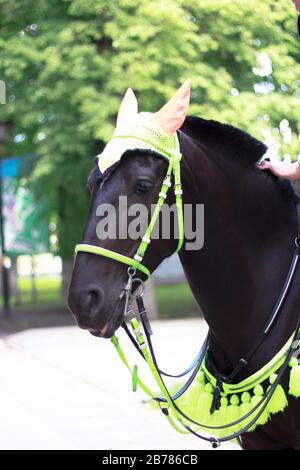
<point>172,115</point>
<point>128,109</point>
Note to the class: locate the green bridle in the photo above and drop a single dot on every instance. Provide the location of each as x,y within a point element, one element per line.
<point>174,157</point>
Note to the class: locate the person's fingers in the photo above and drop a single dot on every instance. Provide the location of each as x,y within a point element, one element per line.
<point>264,165</point>
<point>297,5</point>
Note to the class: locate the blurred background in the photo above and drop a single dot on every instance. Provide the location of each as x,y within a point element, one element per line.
<point>64,67</point>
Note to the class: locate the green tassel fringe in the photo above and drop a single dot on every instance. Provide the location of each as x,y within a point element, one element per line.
<point>294,389</point>
<point>204,403</point>
<point>189,400</point>
<point>264,416</point>
<point>219,418</point>
<point>233,414</point>
<point>278,401</point>
<point>245,408</point>
<point>196,403</point>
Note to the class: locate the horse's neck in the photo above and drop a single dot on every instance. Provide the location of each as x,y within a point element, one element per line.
<point>240,271</point>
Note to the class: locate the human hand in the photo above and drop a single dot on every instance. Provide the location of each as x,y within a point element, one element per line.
<point>289,171</point>
<point>297,5</point>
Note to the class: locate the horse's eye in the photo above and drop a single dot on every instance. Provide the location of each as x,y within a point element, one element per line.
<point>143,186</point>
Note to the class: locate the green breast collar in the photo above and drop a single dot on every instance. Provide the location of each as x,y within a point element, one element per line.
<point>244,406</point>
<point>239,399</point>
<point>255,379</point>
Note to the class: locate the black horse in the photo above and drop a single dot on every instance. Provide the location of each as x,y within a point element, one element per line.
<point>250,226</point>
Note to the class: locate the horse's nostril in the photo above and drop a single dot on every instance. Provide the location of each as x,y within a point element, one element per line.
<point>86,305</point>
<point>95,299</point>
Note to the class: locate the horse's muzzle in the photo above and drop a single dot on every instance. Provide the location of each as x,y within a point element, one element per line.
<point>89,310</point>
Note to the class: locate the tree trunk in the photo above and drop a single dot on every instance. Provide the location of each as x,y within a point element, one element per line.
<point>13,280</point>
<point>34,293</point>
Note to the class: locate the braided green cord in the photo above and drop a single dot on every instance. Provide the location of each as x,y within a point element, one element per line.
<point>178,196</point>
<point>174,167</point>
<point>143,347</point>
<point>161,199</point>
<point>122,356</point>
<point>115,342</point>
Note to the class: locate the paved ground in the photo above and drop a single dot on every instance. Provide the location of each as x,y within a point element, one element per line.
<point>61,388</point>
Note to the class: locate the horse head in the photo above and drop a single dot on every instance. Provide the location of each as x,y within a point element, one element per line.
<point>127,179</point>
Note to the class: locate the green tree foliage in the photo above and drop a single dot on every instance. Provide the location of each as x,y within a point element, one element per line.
<point>66,64</point>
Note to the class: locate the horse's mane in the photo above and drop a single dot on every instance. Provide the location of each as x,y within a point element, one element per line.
<point>236,145</point>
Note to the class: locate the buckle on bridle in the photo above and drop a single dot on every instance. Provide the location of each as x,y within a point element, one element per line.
<point>215,443</point>
<point>129,312</point>
<point>131,272</point>
<point>243,362</point>
<point>163,407</point>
